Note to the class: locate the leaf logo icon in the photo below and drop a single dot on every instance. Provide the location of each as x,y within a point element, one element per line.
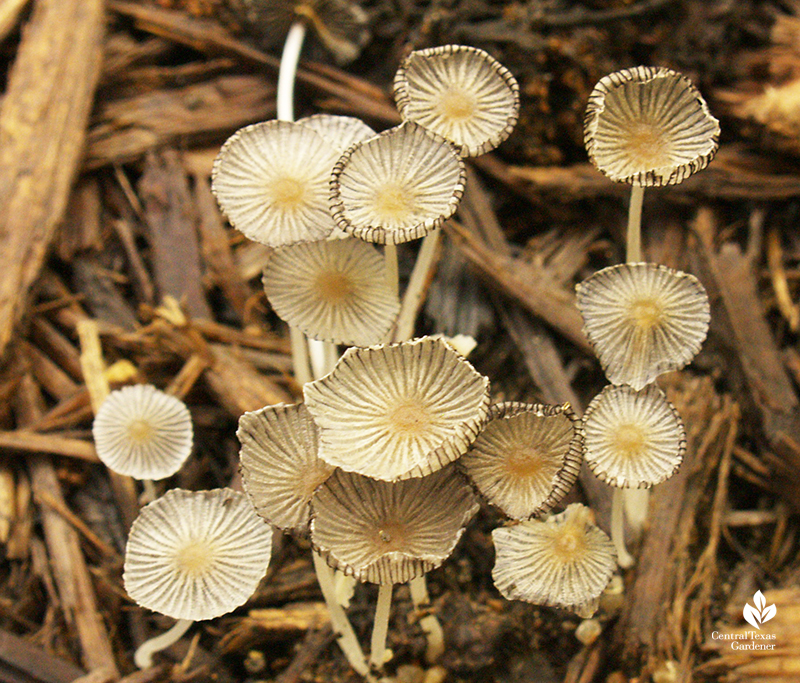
<point>755,616</point>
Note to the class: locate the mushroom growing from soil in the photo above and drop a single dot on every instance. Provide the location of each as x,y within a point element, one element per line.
<point>461,93</point>
<point>399,410</point>
<point>643,320</point>
<point>194,556</point>
<point>526,458</point>
<point>563,561</point>
<point>142,432</point>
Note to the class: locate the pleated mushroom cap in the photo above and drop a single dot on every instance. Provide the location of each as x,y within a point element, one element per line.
<point>271,180</point>
<point>340,131</point>
<point>461,93</point>
<point>564,561</point>
<point>643,320</point>
<point>634,439</point>
<point>280,467</point>
<point>196,555</point>
<point>142,432</point>
<point>397,186</point>
<point>388,411</point>
<point>526,458</point>
<point>332,290</point>
<point>649,126</point>
<point>384,532</point>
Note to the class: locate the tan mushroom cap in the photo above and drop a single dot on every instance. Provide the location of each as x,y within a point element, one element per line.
<point>142,432</point>
<point>340,131</point>
<point>527,457</point>
<point>341,25</point>
<point>332,291</point>
<point>634,439</point>
<point>643,320</point>
<point>649,126</point>
<point>386,411</point>
<point>384,532</point>
<point>271,180</point>
<point>397,186</point>
<point>196,555</point>
<point>461,93</point>
<point>280,467</point>
<point>563,561</point>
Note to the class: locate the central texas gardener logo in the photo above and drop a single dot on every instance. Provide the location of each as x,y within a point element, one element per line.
<point>755,616</point>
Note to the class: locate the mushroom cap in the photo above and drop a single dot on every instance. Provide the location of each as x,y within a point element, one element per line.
<point>527,457</point>
<point>340,131</point>
<point>332,290</point>
<point>461,93</point>
<point>643,319</point>
<point>398,186</point>
<point>142,432</point>
<point>196,555</point>
<point>384,532</point>
<point>279,463</point>
<point>271,180</point>
<point>634,439</point>
<point>389,411</point>
<point>649,126</point>
<point>563,561</point>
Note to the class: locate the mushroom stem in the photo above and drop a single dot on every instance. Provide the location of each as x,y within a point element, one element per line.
<point>429,623</point>
<point>288,70</point>
<point>380,627</point>
<point>390,259</point>
<point>624,558</point>
<point>419,280</point>
<point>323,357</point>
<point>149,493</point>
<point>634,238</point>
<point>143,658</point>
<point>636,504</point>
<point>346,637</point>
<point>302,373</point>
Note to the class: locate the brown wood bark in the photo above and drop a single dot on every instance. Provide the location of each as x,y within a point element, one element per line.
<point>42,127</point>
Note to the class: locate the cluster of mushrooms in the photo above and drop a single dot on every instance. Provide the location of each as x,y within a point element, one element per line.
<point>384,463</point>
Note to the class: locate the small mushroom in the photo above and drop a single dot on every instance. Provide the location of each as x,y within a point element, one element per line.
<point>649,126</point>
<point>526,458</point>
<point>563,561</point>
<point>271,180</point>
<point>643,320</point>
<point>398,410</point>
<point>280,467</point>
<point>461,93</point>
<point>142,432</point>
<point>397,186</point>
<point>332,291</point>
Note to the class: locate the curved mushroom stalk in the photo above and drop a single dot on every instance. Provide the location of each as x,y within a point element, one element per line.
<point>429,623</point>
<point>143,658</point>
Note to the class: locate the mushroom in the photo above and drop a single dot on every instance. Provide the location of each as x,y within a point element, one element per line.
<point>634,439</point>
<point>194,556</point>
<point>271,181</point>
<point>643,320</point>
<point>526,458</point>
<point>388,533</point>
<point>563,561</point>
<point>333,291</point>
<point>461,93</point>
<point>142,432</point>
<point>397,186</point>
<point>340,131</point>
<point>398,410</point>
<point>648,126</point>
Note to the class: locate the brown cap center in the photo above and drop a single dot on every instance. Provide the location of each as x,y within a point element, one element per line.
<point>287,193</point>
<point>333,286</point>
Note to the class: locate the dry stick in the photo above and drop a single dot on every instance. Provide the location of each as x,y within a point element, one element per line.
<point>380,627</point>
<point>429,623</point>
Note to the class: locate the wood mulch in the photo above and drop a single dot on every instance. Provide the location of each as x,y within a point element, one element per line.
<point>118,267</point>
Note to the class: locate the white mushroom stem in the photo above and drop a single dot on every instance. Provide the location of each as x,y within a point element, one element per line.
<point>417,284</point>
<point>390,259</point>
<point>624,558</point>
<point>346,637</point>
<point>429,623</point>
<point>143,658</point>
<point>323,357</point>
<point>380,627</point>
<point>288,70</point>
<point>302,372</point>
<point>636,503</point>
<point>149,493</point>
<point>634,237</point>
